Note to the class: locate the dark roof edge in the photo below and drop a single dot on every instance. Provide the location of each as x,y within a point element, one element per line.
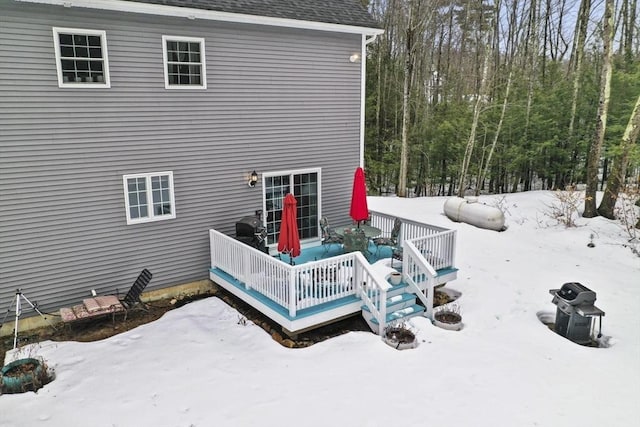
<point>192,13</point>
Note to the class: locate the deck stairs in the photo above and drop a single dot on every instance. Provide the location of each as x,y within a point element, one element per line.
<point>401,305</point>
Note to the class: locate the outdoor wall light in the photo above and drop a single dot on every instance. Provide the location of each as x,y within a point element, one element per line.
<point>355,57</point>
<point>253,179</point>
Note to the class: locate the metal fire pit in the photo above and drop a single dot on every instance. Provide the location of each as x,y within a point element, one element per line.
<point>575,312</point>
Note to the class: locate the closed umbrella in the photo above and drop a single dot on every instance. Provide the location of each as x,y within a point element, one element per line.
<point>359,210</point>
<point>289,239</point>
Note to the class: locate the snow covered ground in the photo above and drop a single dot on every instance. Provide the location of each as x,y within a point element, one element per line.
<point>197,366</point>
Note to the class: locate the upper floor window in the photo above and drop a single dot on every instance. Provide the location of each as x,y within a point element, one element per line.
<point>184,64</point>
<point>81,58</point>
<point>149,197</point>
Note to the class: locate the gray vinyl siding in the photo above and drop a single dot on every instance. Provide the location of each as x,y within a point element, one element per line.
<point>276,99</point>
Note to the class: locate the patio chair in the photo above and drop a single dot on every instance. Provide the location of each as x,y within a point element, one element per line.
<point>104,305</point>
<point>132,299</point>
<point>356,240</point>
<point>329,235</point>
<point>392,240</point>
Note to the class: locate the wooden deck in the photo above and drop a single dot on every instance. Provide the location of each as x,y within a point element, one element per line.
<point>324,287</point>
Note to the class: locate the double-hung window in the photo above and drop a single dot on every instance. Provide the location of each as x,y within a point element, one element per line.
<point>81,58</point>
<point>149,197</point>
<point>184,62</point>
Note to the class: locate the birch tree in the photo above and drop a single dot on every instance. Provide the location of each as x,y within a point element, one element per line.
<point>595,148</point>
<point>620,164</point>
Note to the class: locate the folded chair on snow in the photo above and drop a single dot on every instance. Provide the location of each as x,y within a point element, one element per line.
<point>99,306</point>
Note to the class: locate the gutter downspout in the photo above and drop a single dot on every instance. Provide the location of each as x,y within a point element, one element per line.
<point>363,74</point>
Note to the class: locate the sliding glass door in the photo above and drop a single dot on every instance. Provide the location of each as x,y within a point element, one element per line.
<point>305,186</point>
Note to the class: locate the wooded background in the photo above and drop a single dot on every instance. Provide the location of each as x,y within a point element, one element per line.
<point>478,96</point>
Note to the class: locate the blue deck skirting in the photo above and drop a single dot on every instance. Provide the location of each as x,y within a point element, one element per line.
<point>284,312</point>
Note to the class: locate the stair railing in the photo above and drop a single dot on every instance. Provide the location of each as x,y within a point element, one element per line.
<point>419,275</point>
<point>372,288</point>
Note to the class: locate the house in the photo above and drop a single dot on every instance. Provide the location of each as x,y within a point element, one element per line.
<point>129,129</point>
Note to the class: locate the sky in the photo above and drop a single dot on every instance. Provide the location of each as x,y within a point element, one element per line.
<point>198,366</point>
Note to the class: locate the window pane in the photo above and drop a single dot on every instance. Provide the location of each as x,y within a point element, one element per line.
<point>65,39</point>
<point>134,212</point>
<point>144,212</point>
<point>68,65</point>
<point>66,51</point>
<point>95,65</point>
<point>172,45</point>
<point>157,198</point>
<point>80,39</point>
<point>95,52</point>
<point>94,40</point>
<point>82,52</point>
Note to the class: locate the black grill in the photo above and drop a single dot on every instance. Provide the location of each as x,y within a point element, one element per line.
<point>249,230</point>
<point>575,311</point>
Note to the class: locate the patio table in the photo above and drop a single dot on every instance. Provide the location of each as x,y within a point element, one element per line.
<point>369,231</point>
<point>351,243</point>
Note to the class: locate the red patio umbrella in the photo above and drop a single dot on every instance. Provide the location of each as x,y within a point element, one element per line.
<point>289,240</point>
<point>359,210</point>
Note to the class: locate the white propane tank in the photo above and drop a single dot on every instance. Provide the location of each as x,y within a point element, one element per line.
<point>471,212</point>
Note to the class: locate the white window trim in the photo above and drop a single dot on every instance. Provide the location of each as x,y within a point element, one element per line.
<point>151,217</point>
<point>105,57</point>
<point>202,61</point>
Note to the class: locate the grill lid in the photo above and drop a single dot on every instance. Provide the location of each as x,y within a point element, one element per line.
<point>574,293</point>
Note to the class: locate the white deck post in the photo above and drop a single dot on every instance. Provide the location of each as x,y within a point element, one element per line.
<point>293,298</point>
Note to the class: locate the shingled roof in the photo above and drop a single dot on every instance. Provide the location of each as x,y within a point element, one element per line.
<point>342,12</point>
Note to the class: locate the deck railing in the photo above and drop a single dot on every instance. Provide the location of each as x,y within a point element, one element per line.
<point>426,248</point>
<point>436,244</point>
<point>297,287</point>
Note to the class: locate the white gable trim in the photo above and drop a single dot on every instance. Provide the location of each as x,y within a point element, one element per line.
<point>189,13</point>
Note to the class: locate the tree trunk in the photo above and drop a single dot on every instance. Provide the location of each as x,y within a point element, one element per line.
<point>406,93</point>
<point>601,120</point>
<point>616,178</point>
<point>480,97</point>
<point>577,57</point>
<point>497,133</point>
